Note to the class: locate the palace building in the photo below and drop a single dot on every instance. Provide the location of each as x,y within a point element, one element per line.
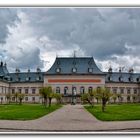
<point>70,76</point>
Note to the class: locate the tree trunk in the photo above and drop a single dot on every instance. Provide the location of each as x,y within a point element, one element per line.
<point>90,103</point>
<point>103,104</point>
<point>20,101</point>
<point>45,102</point>
<point>50,100</point>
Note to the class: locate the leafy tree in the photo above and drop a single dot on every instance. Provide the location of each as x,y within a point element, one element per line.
<point>58,97</point>
<point>50,96</point>
<point>43,93</point>
<point>134,97</point>
<point>1,99</point>
<point>104,94</point>
<point>21,97</point>
<point>128,98</point>
<point>86,97</point>
<point>119,97</point>
<point>47,93</point>
<point>8,97</point>
<point>16,96</point>
<point>114,97</point>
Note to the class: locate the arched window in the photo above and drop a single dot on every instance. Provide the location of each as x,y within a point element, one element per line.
<point>57,89</point>
<point>65,90</point>
<point>90,90</point>
<point>82,90</point>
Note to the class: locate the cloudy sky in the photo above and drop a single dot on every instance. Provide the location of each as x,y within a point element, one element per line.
<point>33,37</point>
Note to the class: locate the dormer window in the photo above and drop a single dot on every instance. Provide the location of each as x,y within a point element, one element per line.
<point>38,78</point>
<point>74,70</point>
<point>90,70</point>
<point>109,78</point>
<point>130,79</point>
<point>28,78</point>
<point>120,79</point>
<point>58,70</point>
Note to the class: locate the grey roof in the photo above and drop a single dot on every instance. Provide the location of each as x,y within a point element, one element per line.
<point>122,77</point>
<point>26,77</point>
<point>82,65</point>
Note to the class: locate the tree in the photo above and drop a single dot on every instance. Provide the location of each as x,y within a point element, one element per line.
<point>86,97</point>
<point>134,97</point>
<point>119,97</point>
<point>58,97</point>
<point>46,93</point>
<point>50,96</point>
<point>43,93</point>
<point>21,97</point>
<point>1,99</point>
<point>16,96</point>
<point>114,97</point>
<point>8,97</point>
<point>104,94</point>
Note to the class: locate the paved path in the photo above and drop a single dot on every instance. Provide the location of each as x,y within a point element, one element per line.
<point>69,118</point>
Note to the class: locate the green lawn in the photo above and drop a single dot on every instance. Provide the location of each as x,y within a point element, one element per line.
<point>25,111</point>
<point>121,112</point>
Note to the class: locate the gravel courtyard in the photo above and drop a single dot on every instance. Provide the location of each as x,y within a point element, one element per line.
<point>71,118</point>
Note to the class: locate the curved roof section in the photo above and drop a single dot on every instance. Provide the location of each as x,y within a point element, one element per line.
<point>122,77</point>
<point>23,77</point>
<point>81,64</point>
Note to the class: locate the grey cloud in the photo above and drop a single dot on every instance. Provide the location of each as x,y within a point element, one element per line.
<point>101,32</point>
<point>7,18</point>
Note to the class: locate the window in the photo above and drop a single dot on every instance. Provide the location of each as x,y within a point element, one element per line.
<point>58,70</point>
<point>115,90</point>
<point>90,70</point>
<point>33,91</point>
<point>90,90</point>
<point>28,78</point>
<point>13,98</point>
<point>74,70</point>
<point>135,91</point>
<point>13,91</point>
<point>33,98</point>
<point>121,90</point>
<point>38,78</point>
<point>65,90</point>
<point>82,90</point>
<point>26,91</point>
<point>120,79</point>
<point>26,98</point>
<point>130,79</point>
<point>57,89</point>
<point>128,91</point>
<point>19,90</point>
<point>137,79</point>
<point>128,98</point>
